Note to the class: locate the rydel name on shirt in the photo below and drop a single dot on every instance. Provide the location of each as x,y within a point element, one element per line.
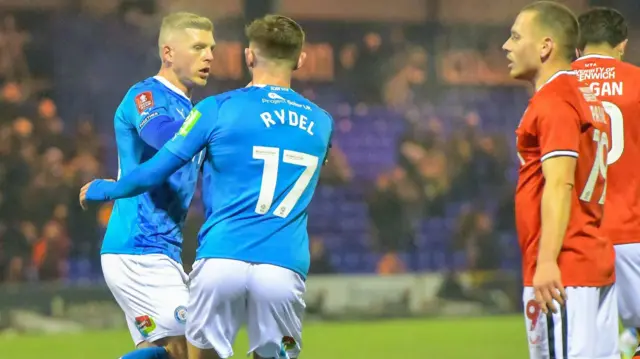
<point>287,117</point>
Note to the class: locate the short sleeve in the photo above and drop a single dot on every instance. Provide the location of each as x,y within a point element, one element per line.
<point>196,131</point>
<point>148,104</point>
<point>558,130</point>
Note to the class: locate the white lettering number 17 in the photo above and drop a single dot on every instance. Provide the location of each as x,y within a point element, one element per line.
<point>599,167</point>
<point>271,158</point>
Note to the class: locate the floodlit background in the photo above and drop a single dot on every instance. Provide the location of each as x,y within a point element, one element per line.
<point>412,227</point>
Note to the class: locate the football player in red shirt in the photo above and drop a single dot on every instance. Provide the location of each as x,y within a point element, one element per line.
<point>603,39</point>
<point>562,142</point>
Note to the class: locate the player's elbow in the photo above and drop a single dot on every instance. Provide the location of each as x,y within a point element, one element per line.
<point>151,182</point>
<point>559,183</point>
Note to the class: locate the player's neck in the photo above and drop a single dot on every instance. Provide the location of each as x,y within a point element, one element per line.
<point>548,70</point>
<point>174,80</point>
<point>271,78</point>
<point>601,50</point>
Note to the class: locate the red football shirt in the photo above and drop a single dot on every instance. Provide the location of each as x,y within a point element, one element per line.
<point>564,118</point>
<point>617,85</point>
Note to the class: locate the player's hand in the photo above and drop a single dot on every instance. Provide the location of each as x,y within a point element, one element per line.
<point>547,284</point>
<point>88,192</point>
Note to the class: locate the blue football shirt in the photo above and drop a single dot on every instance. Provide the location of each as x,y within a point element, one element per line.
<point>265,146</point>
<point>150,223</point>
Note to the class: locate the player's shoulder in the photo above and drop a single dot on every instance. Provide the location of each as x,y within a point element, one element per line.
<point>315,107</point>
<point>561,89</point>
<point>147,94</point>
<point>218,102</point>
<point>230,96</point>
<point>149,84</point>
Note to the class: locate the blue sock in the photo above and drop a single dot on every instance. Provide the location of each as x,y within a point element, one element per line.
<point>147,353</point>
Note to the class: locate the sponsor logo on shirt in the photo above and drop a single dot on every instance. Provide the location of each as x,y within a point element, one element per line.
<point>189,122</point>
<point>148,118</point>
<point>276,99</point>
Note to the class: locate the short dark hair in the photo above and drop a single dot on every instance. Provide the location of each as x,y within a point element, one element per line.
<point>602,25</point>
<point>561,21</point>
<point>278,37</point>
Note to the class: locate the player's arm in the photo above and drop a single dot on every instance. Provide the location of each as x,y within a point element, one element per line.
<point>153,119</point>
<point>192,137</point>
<point>559,174</point>
<point>330,144</point>
<point>143,178</point>
<point>559,131</point>
<point>160,131</point>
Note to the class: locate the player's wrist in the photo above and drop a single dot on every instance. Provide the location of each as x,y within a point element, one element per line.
<point>545,261</point>
<point>99,190</point>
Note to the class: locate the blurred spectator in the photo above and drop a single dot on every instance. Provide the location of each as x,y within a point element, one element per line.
<point>390,264</point>
<point>367,69</point>
<point>50,252</point>
<point>477,238</point>
<point>390,208</point>
<point>11,100</point>
<point>403,87</point>
<point>320,261</point>
<point>12,59</point>
<point>336,170</point>
<point>15,251</point>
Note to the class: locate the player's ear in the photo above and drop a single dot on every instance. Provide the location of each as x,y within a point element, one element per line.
<point>578,53</point>
<point>301,60</point>
<point>546,48</point>
<point>621,47</point>
<point>249,58</point>
<point>167,53</point>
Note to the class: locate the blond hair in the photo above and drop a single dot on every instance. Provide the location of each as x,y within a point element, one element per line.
<point>181,21</point>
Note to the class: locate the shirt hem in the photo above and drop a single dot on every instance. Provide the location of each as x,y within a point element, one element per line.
<point>578,284</point>
<point>141,252</point>
<point>249,260</point>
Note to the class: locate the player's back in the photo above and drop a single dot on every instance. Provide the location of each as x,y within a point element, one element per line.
<point>617,85</point>
<point>564,118</point>
<point>263,164</point>
<point>152,222</point>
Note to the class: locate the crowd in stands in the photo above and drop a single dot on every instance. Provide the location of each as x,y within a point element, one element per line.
<point>42,164</point>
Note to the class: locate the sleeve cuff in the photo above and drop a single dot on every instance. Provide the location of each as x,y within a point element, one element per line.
<point>559,153</point>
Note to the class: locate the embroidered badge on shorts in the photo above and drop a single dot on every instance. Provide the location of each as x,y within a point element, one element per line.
<point>288,343</point>
<point>181,314</point>
<point>145,325</point>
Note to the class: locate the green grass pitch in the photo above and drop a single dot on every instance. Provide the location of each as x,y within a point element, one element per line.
<point>490,338</point>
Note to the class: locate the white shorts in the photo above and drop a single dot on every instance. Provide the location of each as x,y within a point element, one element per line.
<point>628,283</point>
<point>586,327</point>
<point>225,294</point>
<point>152,291</point>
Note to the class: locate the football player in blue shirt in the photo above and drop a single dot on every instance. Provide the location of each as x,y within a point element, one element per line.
<point>142,245</point>
<point>264,145</point>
